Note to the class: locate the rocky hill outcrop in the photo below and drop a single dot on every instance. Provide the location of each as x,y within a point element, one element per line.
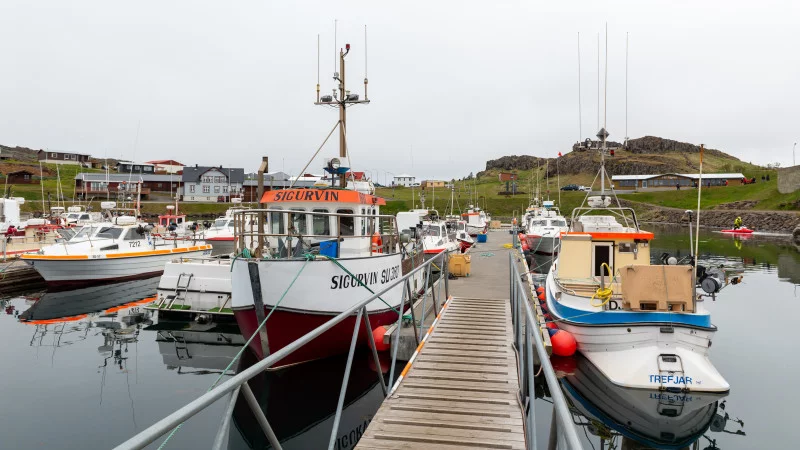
<point>647,154</point>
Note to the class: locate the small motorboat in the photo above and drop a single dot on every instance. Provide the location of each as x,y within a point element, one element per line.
<point>742,230</point>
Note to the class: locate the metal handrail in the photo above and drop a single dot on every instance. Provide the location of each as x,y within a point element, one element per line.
<point>527,338</point>
<point>239,381</point>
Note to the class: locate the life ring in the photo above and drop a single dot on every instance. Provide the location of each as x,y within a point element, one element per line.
<point>376,243</point>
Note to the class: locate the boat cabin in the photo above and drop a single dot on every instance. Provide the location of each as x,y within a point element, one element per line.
<point>332,222</point>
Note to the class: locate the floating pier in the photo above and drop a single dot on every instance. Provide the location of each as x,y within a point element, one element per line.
<point>460,388</point>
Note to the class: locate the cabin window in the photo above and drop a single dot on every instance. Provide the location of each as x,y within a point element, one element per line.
<point>321,224</point>
<point>625,247</point>
<point>299,222</point>
<point>558,223</point>
<point>347,224</point>
<point>109,232</point>
<point>219,223</point>
<point>602,252</point>
<point>276,222</point>
<point>85,217</point>
<point>433,231</point>
<point>364,221</point>
<point>85,232</point>
<point>538,223</point>
<point>133,234</point>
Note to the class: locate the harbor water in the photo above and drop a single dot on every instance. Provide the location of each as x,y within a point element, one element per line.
<point>89,368</point>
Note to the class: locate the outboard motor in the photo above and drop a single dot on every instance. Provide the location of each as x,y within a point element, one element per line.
<point>712,281</point>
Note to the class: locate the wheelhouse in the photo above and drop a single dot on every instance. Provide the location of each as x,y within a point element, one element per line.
<point>331,222</point>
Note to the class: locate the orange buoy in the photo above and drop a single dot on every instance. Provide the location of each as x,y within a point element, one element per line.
<point>552,325</point>
<point>564,343</point>
<point>378,334</point>
<point>541,296</point>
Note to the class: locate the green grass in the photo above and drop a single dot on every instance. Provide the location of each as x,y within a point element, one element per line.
<point>764,192</point>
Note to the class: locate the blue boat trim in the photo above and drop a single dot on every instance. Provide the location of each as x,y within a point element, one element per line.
<point>623,318</point>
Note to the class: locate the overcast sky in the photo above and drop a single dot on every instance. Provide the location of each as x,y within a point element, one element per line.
<point>214,82</point>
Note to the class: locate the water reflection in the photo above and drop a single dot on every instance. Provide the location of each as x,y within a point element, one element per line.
<point>300,403</point>
<point>192,348</point>
<point>618,417</point>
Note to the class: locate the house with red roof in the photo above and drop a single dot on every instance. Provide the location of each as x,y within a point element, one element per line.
<point>168,166</point>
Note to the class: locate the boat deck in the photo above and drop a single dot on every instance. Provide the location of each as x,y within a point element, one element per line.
<point>461,389</point>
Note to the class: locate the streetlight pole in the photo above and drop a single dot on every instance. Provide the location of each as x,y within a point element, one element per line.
<point>793,147</point>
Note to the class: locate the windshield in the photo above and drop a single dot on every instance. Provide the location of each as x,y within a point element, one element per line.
<point>433,231</point>
<point>72,216</point>
<point>538,223</point>
<point>85,233</point>
<point>220,223</point>
<point>558,223</point>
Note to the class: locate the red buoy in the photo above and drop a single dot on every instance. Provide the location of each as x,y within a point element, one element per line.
<point>377,334</point>
<point>563,343</point>
<point>541,296</point>
<point>552,325</point>
<point>540,289</point>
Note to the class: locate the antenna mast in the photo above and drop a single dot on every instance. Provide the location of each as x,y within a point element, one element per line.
<point>317,67</point>
<point>626,89</point>
<point>580,116</point>
<point>341,100</point>
<point>598,80</point>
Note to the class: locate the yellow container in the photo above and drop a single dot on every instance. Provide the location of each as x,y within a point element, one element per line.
<point>459,265</point>
<point>495,224</point>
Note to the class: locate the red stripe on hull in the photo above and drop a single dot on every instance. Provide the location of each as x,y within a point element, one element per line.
<point>285,327</point>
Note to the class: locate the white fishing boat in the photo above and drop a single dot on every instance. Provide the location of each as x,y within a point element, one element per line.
<point>641,325</point>
<point>543,228</point>
<point>477,221</point>
<point>324,249</point>
<point>119,249</point>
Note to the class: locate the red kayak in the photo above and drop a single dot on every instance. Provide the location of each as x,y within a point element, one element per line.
<point>743,230</point>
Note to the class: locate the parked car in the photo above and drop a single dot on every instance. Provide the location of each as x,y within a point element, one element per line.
<point>585,188</point>
<point>570,187</point>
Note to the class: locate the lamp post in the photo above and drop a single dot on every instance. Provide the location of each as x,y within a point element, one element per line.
<point>393,175</point>
<point>793,147</point>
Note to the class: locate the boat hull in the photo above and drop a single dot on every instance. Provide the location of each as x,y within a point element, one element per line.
<point>71,272</point>
<point>546,245</point>
<point>738,231</point>
<point>322,291</point>
<point>474,230</point>
<point>645,350</point>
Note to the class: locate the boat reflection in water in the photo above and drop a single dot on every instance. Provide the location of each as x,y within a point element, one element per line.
<point>195,348</point>
<point>629,418</point>
<point>115,310</point>
<point>300,403</point>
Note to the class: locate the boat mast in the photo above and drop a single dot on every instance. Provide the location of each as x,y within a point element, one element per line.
<point>342,100</point>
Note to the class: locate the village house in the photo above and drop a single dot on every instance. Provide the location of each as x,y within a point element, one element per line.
<point>129,167</point>
<point>211,184</point>
<point>167,166</point>
<point>101,186</point>
<point>21,177</point>
<point>432,184</point>
<point>672,181</point>
<point>404,179</point>
<point>47,156</point>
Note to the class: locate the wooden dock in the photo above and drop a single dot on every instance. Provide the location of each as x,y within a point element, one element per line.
<point>16,277</point>
<point>460,389</point>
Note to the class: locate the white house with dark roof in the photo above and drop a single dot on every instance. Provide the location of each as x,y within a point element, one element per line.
<point>404,179</point>
<point>211,184</point>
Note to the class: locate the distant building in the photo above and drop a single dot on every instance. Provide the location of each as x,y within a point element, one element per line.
<point>167,166</point>
<point>211,184</point>
<point>101,186</point>
<point>357,176</point>
<point>129,167</point>
<point>404,179</point>
<point>21,177</point>
<point>273,180</point>
<point>508,176</point>
<point>428,184</point>
<point>667,181</point>
<point>61,157</point>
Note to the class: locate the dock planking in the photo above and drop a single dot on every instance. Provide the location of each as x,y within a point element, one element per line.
<point>461,390</point>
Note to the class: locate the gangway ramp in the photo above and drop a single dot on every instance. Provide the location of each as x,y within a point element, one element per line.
<point>460,389</point>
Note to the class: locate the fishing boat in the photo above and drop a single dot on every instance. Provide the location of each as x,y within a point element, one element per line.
<point>477,221</point>
<point>637,417</point>
<point>324,249</point>
<point>543,228</point>
<point>120,248</point>
<point>642,325</point>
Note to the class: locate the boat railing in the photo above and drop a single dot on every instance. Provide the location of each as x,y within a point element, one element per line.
<point>246,231</point>
<point>239,383</point>
<point>619,211</point>
<point>530,347</point>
